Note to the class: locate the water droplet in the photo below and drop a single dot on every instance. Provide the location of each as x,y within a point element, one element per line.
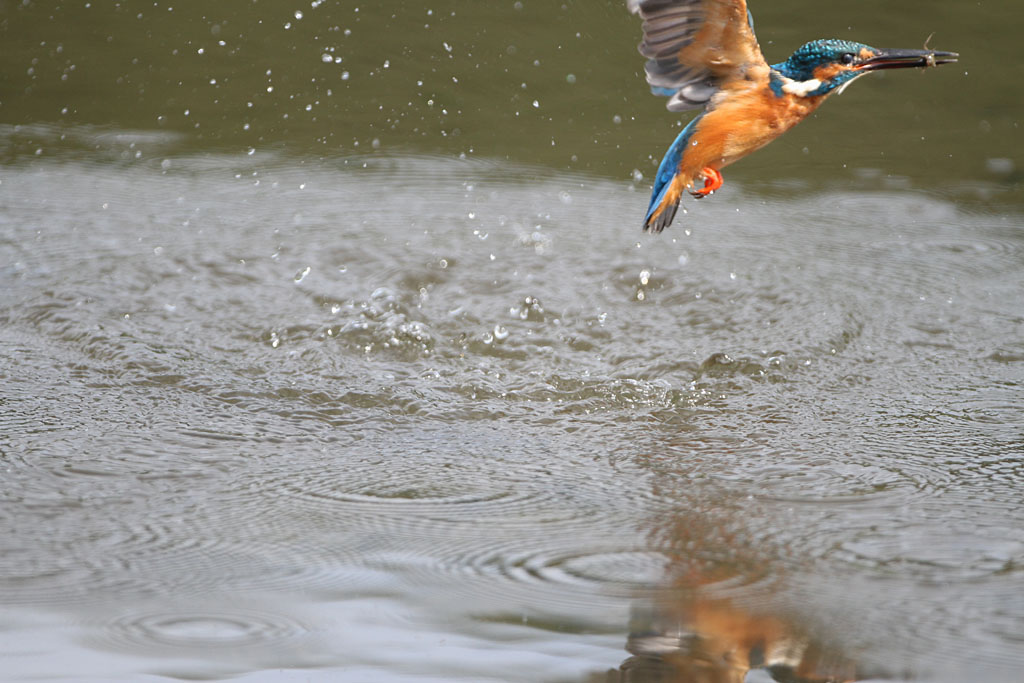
<point>645,277</point>
<point>570,79</point>
<point>298,14</point>
<point>500,333</point>
<point>301,275</point>
<point>616,119</point>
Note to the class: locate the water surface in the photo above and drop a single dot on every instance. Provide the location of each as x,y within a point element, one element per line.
<point>276,406</point>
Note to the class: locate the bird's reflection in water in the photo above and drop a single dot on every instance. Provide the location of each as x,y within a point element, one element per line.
<point>723,616</point>
<point>705,640</point>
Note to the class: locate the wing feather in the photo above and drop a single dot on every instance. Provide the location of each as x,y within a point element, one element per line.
<point>695,46</point>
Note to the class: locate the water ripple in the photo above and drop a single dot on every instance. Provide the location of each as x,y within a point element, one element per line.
<point>197,632</point>
<point>231,377</point>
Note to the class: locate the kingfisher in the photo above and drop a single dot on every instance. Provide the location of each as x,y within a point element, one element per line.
<point>702,54</point>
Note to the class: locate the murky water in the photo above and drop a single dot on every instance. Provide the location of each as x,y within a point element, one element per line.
<point>257,419</point>
<point>276,406</point>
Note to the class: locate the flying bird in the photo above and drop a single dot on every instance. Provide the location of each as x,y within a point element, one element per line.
<point>703,54</point>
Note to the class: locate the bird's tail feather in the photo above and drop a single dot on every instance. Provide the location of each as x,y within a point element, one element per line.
<point>669,183</point>
<point>664,206</point>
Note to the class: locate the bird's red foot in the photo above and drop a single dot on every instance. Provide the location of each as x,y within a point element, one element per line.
<point>712,181</point>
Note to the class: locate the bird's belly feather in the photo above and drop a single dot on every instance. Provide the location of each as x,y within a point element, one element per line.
<point>744,123</point>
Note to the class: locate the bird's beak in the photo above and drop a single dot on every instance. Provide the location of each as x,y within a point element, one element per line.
<point>902,59</point>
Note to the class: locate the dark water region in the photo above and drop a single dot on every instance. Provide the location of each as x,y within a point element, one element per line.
<point>392,388</point>
<point>556,84</point>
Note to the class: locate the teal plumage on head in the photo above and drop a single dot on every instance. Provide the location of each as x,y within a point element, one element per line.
<point>802,64</point>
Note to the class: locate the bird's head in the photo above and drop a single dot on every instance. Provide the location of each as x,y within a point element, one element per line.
<point>823,66</point>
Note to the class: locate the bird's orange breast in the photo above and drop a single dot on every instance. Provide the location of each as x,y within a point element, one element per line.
<point>744,118</point>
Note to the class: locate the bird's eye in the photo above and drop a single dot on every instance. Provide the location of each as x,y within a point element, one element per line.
<point>847,58</point>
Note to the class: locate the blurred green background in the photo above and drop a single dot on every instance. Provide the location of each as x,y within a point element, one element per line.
<point>545,83</point>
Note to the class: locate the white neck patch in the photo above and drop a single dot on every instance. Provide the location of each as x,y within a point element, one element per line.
<point>800,88</point>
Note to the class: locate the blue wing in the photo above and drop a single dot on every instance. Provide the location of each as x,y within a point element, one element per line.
<point>694,46</point>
